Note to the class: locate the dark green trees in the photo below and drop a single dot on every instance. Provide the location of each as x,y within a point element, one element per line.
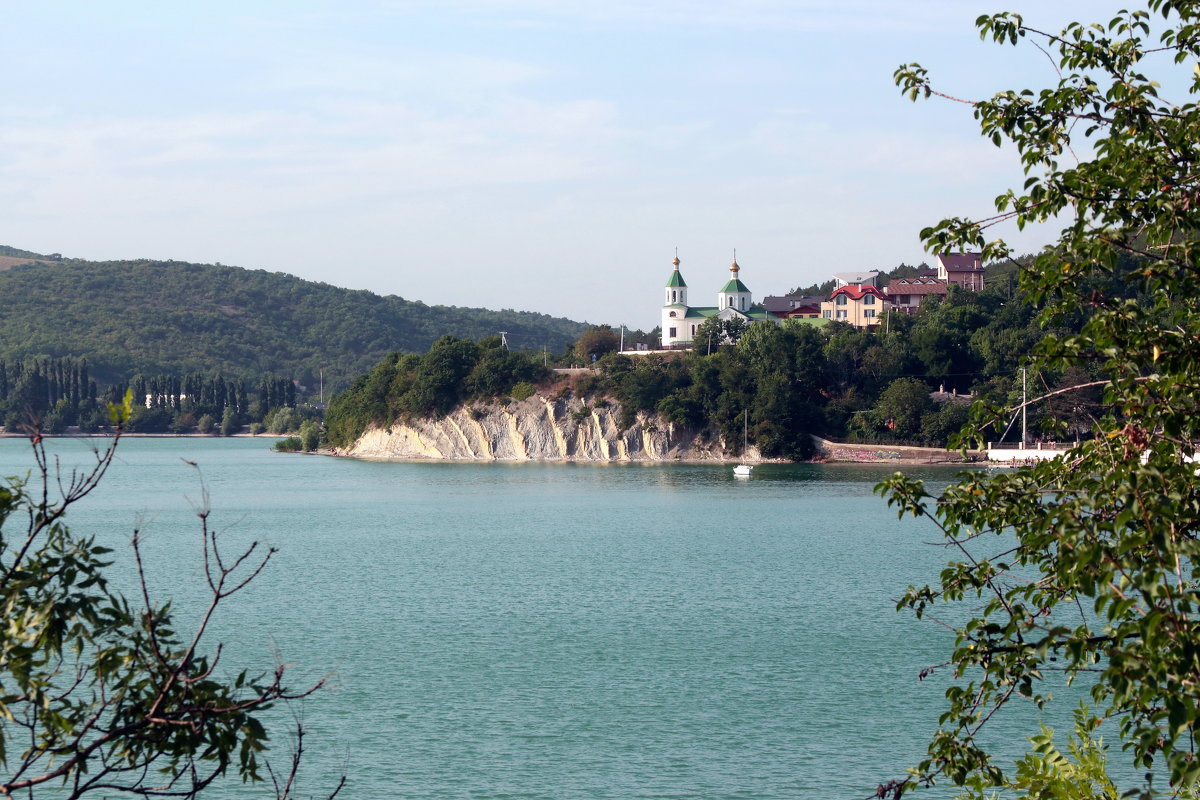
<point>411,386</point>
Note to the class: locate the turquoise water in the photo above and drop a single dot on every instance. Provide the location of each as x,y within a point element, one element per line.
<point>557,630</point>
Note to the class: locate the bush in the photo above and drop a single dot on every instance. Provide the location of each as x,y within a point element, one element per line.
<point>206,424</point>
<point>150,420</point>
<point>183,423</point>
<point>291,444</point>
<point>523,391</point>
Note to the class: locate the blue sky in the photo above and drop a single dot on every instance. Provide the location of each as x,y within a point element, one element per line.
<point>544,155</point>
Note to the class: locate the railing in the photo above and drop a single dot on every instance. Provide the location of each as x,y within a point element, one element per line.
<point>1033,446</point>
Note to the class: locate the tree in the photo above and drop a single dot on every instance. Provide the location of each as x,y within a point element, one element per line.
<point>901,407</point>
<point>229,422</point>
<point>714,332</point>
<point>310,435</point>
<point>102,694</point>
<point>1088,564</point>
<point>595,342</point>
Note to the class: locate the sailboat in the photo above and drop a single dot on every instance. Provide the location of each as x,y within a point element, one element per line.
<point>744,470</point>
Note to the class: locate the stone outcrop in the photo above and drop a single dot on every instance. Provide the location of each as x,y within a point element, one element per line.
<point>540,429</point>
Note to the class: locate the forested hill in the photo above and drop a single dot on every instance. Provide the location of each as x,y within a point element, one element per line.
<point>155,317</point>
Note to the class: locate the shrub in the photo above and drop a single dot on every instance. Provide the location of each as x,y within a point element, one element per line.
<point>291,444</point>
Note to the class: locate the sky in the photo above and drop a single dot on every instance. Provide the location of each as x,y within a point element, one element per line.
<point>538,155</point>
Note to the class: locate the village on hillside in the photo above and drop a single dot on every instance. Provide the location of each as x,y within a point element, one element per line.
<point>856,298</point>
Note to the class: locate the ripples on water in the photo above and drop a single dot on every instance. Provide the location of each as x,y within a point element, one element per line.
<point>559,630</point>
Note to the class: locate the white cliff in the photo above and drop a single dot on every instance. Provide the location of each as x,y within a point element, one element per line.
<point>539,429</point>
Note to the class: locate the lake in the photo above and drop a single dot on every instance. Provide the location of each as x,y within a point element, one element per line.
<point>556,630</point>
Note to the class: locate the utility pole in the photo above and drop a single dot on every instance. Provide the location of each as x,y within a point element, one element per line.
<point>322,396</point>
<point>622,350</point>
<point>504,339</point>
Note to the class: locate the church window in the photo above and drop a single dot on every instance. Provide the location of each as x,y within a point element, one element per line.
<point>670,333</point>
<point>672,313</point>
<point>743,304</point>
<point>693,330</point>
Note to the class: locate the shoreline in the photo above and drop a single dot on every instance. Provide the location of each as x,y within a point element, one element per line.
<point>828,453</point>
<point>128,435</point>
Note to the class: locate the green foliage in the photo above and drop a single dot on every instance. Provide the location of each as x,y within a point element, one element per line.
<point>291,444</point>
<point>522,391</point>
<point>901,406</point>
<point>206,424</point>
<point>150,420</point>
<point>1047,773</point>
<point>310,435</point>
<point>714,333</point>
<point>229,422</point>
<point>172,317</point>
<point>431,385</point>
<point>104,695</point>
<point>596,342</point>
<point>1089,564</point>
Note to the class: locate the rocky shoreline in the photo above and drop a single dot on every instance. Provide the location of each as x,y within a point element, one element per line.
<point>572,430</point>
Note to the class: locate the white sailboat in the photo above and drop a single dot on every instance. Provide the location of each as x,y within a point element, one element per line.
<point>744,470</point>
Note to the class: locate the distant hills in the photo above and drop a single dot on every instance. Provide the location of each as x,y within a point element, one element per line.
<point>176,317</point>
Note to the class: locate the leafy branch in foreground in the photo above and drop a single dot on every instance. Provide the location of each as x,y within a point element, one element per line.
<point>101,694</point>
<point>1088,564</point>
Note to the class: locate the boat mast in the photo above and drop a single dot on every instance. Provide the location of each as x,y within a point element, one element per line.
<point>1024,400</point>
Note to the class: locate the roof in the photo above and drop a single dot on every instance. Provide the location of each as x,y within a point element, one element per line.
<point>702,312</point>
<point>676,280</point>
<point>855,278</point>
<point>734,285</point>
<point>781,305</point>
<point>815,321</point>
<point>921,286</point>
<point>858,292</point>
<point>758,312</point>
<point>961,262</point>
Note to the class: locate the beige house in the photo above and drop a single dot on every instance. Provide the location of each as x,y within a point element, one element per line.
<point>857,305</point>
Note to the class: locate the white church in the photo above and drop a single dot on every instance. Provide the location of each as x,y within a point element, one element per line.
<point>680,321</point>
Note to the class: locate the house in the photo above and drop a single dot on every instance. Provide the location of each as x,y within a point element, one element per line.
<point>681,321</point>
<point>855,279</point>
<point>964,270</point>
<point>794,305</point>
<point>909,294</point>
<point>859,305</point>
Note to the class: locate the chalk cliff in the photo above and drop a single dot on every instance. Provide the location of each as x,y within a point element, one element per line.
<point>540,429</point>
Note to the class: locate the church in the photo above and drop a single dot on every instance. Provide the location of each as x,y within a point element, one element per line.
<point>681,321</point>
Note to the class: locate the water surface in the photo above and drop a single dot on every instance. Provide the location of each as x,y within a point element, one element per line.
<point>557,630</point>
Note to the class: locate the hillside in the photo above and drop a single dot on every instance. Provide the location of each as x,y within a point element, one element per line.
<point>171,316</point>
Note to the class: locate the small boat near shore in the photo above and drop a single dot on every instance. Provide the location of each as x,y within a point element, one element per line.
<point>744,470</point>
